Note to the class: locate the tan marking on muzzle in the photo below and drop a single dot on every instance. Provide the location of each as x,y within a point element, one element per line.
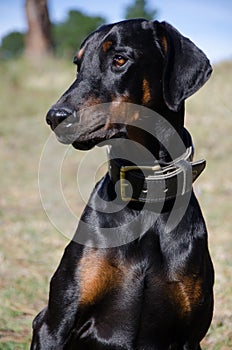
<point>122,111</point>
<point>91,102</point>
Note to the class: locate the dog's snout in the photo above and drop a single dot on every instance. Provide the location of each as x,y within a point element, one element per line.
<point>55,116</point>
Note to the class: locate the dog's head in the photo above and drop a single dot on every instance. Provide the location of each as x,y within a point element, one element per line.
<point>135,61</point>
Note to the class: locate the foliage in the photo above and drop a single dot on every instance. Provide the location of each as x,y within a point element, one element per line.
<point>68,35</point>
<point>139,9</point>
<point>12,45</point>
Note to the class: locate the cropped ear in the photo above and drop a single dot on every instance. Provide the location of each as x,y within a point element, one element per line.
<point>186,67</point>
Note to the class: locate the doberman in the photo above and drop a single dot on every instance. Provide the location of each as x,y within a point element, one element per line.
<point>152,288</point>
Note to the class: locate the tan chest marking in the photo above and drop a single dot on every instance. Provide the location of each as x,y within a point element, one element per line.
<point>97,277</point>
<point>187,294</point>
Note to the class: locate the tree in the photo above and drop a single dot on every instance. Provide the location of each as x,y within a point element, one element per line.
<point>69,34</point>
<point>12,45</point>
<point>38,42</point>
<point>66,36</point>
<point>139,9</point>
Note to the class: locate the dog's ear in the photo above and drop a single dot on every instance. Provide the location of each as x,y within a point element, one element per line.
<point>186,67</point>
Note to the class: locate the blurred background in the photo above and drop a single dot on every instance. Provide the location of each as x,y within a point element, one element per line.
<point>59,26</point>
<point>38,41</point>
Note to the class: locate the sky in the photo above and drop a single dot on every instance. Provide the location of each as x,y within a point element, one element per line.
<point>208,23</point>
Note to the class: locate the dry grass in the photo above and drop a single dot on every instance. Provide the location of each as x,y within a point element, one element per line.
<point>30,247</point>
<point>209,117</point>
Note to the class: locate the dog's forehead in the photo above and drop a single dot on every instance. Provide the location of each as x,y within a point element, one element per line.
<point>92,42</point>
<point>131,31</point>
<point>123,33</point>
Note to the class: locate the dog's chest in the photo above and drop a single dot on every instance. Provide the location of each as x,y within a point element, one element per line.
<point>132,302</point>
<point>140,286</point>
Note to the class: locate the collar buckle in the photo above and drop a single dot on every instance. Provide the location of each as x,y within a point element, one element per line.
<point>125,186</point>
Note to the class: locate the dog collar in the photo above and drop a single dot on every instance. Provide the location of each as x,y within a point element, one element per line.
<point>156,183</point>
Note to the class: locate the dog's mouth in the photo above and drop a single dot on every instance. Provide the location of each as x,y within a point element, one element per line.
<point>84,135</point>
<point>93,125</point>
<point>100,140</point>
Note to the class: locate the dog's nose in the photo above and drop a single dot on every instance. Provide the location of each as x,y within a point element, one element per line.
<point>55,116</point>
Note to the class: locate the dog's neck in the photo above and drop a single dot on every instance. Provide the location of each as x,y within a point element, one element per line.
<point>159,167</point>
<point>157,137</point>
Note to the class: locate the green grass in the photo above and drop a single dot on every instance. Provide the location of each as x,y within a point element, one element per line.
<point>30,246</point>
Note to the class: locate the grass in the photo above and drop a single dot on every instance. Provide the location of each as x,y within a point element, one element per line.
<point>31,247</point>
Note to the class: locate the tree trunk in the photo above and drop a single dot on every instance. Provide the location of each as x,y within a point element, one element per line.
<point>38,42</point>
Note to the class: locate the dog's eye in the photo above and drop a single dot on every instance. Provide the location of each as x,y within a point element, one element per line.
<point>119,60</point>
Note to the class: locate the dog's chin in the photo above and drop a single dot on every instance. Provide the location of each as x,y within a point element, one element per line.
<point>97,138</point>
<point>84,145</point>
<point>89,144</point>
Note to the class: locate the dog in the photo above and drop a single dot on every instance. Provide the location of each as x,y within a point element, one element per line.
<point>129,280</point>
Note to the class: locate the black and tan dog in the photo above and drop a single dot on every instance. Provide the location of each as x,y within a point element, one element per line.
<point>155,291</point>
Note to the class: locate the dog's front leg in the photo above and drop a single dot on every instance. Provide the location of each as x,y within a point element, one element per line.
<point>53,325</point>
